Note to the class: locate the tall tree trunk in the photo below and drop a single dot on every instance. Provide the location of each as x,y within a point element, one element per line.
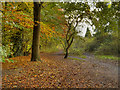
<point>36,32</point>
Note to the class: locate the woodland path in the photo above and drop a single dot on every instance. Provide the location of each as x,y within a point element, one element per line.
<point>56,72</point>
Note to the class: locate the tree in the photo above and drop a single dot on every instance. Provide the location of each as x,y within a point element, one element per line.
<point>51,16</point>
<point>18,20</point>
<point>106,19</point>
<point>70,33</point>
<point>36,31</point>
<point>14,36</point>
<point>74,13</point>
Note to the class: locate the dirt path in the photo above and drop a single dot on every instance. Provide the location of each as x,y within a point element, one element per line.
<point>56,72</point>
<point>106,68</point>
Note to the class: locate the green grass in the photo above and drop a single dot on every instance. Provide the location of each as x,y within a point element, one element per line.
<point>82,56</point>
<point>108,57</point>
<point>75,59</point>
<point>76,55</point>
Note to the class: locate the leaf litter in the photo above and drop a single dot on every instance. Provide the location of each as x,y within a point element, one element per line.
<point>55,72</point>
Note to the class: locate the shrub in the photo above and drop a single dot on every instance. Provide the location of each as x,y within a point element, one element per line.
<point>105,44</point>
<point>108,48</point>
<point>4,54</point>
<point>78,46</point>
<point>91,44</point>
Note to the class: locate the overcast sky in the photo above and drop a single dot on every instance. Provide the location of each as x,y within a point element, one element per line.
<point>83,26</point>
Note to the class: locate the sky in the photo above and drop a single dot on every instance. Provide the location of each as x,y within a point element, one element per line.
<point>83,26</point>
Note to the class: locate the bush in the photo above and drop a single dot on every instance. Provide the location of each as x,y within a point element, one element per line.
<point>76,51</point>
<point>4,54</point>
<point>108,48</point>
<point>49,46</point>
<point>91,44</point>
<point>106,44</point>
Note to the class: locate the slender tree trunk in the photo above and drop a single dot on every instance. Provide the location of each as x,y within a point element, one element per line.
<point>69,43</point>
<point>36,32</point>
<point>66,53</point>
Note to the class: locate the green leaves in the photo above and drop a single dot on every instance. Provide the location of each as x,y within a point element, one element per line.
<point>107,16</point>
<point>4,54</point>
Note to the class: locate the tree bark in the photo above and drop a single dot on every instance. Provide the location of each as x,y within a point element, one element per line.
<point>36,32</point>
<point>66,53</point>
<point>69,44</point>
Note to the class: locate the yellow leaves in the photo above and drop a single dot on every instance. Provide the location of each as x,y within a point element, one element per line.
<point>26,4</point>
<point>37,22</point>
<point>22,20</point>
<point>35,75</point>
<point>45,29</point>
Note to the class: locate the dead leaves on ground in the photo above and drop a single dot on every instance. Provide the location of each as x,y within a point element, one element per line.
<point>53,72</point>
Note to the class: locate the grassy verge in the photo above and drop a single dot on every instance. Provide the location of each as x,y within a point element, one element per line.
<point>75,59</point>
<point>82,56</point>
<point>108,57</point>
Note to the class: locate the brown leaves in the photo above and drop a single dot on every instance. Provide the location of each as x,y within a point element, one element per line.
<point>53,72</point>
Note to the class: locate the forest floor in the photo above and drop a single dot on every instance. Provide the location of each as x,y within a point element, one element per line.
<point>56,72</point>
